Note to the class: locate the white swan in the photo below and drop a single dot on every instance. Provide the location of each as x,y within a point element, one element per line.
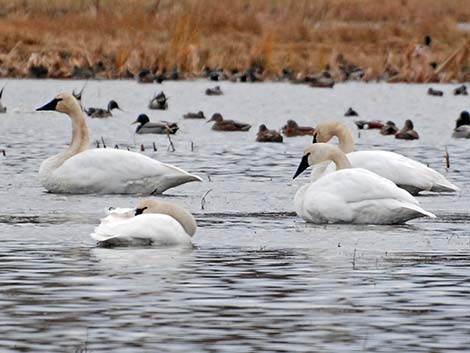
<point>351,195</point>
<point>79,170</point>
<point>151,223</point>
<point>404,172</point>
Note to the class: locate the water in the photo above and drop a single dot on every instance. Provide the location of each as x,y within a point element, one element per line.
<point>259,279</point>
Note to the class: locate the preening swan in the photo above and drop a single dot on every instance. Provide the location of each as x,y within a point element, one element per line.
<point>404,172</point>
<point>152,222</point>
<point>78,170</point>
<point>351,195</point>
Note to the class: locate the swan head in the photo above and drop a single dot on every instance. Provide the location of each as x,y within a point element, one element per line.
<point>63,103</point>
<point>317,153</point>
<point>185,218</point>
<point>324,132</point>
<point>217,117</point>
<point>142,119</point>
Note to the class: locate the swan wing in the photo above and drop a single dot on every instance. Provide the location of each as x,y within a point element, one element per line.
<point>404,172</point>
<point>145,229</point>
<point>118,171</point>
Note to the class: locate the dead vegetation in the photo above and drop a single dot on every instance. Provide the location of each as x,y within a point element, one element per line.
<point>117,38</point>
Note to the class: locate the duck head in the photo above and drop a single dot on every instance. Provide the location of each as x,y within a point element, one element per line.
<point>113,105</point>
<point>63,103</point>
<point>292,124</point>
<point>409,124</point>
<point>142,119</point>
<point>390,123</point>
<point>262,128</point>
<point>217,117</point>
<point>464,119</point>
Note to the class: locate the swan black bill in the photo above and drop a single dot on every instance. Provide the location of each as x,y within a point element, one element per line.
<point>51,105</point>
<point>302,166</point>
<point>314,138</point>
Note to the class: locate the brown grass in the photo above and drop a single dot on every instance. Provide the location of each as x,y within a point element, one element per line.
<point>121,37</point>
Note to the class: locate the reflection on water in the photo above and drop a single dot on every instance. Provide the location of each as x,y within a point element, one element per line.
<point>259,279</point>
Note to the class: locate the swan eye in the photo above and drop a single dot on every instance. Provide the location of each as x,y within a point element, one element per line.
<point>139,211</point>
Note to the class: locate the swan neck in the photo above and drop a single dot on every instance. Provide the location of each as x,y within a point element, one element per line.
<point>345,138</point>
<point>340,160</point>
<point>80,137</point>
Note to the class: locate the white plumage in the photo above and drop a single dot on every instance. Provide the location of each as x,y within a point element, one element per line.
<point>351,195</point>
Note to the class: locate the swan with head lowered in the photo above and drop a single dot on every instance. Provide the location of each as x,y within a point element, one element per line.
<point>79,170</point>
<point>404,172</point>
<point>152,222</point>
<point>351,195</point>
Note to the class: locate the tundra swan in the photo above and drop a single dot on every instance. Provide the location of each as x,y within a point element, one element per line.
<point>79,170</point>
<point>351,195</point>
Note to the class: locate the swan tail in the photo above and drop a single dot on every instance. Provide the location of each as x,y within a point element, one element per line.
<point>418,211</point>
<point>444,186</point>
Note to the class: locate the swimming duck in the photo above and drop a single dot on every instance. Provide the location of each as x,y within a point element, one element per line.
<point>2,108</point>
<point>351,112</point>
<point>293,129</point>
<point>404,172</point>
<point>102,113</point>
<point>389,128</point>
<point>407,132</point>
<point>461,91</point>
<point>198,115</point>
<point>159,101</point>
<point>146,127</point>
<point>351,195</point>
<point>79,170</point>
<point>216,91</point>
<point>462,126</point>
<point>368,125</point>
<point>227,125</point>
<point>435,92</point>
<point>152,222</point>
<point>265,135</point>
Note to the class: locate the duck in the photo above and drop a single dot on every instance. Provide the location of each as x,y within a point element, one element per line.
<point>2,108</point>
<point>351,195</point>
<point>368,125</point>
<point>152,222</point>
<point>80,170</point>
<point>406,173</point>
<point>351,112</point>
<point>462,126</point>
<point>102,113</point>
<point>435,92</point>
<point>198,115</point>
<point>146,127</point>
<point>159,101</point>
<point>461,91</point>
<point>293,129</point>
<point>407,132</point>
<point>222,124</point>
<point>266,135</point>
<point>216,91</point>
<point>389,128</point>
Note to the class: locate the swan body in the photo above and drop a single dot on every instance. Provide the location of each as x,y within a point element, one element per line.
<point>406,173</point>
<point>79,170</point>
<point>151,223</point>
<point>351,195</point>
